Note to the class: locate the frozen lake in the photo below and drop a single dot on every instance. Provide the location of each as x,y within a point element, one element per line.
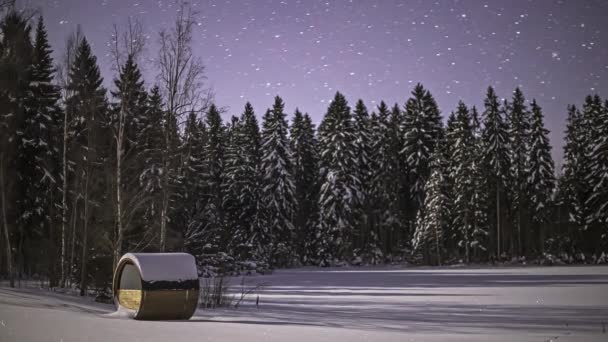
<point>354,304</point>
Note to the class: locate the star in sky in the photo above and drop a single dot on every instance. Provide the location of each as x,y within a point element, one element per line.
<point>306,50</point>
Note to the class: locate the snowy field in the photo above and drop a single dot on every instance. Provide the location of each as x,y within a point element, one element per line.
<point>358,304</point>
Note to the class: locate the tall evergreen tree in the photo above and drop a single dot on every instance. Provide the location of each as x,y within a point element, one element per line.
<point>242,189</point>
<point>384,180</point>
<point>432,218</point>
<point>303,145</point>
<point>519,141</point>
<point>571,183</point>
<point>211,231</point>
<point>339,186</point>
<point>462,171</point>
<point>541,173</point>
<point>40,154</point>
<point>279,191</point>
<point>365,239</point>
<point>15,165</point>
<point>495,159</point>
<point>87,109</point>
<point>599,199</point>
<point>400,174</point>
<point>125,121</point>
<point>479,199</point>
<point>421,129</point>
<point>191,179</point>
<point>150,138</point>
<point>594,163</point>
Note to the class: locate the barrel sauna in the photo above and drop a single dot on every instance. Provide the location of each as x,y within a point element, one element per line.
<point>156,286</point>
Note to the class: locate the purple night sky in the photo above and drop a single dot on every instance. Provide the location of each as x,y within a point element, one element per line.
<point>306,50</point>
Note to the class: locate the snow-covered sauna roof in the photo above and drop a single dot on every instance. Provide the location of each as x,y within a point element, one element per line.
<point>163,266</point>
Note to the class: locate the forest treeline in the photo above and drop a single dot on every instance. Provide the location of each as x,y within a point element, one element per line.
<point>89,173</point>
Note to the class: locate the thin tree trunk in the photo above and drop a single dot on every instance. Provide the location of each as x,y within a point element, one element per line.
<point>64,199</point>
<point>519,232</point>
<point>119,154</point>
<point>83,262</point>
<point>52,243</point>
<point>165,199</point>
<point>85,226</point>
<point>466,240</point>
<point>73,235</point>
<point>437,247</point>
<point>9,259</point>
<point>498,220</point>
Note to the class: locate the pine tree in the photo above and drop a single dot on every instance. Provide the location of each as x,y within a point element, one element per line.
<point>495,158</point>
<point>250,192</point>
<point>463,166</point>
<point>596,167</point>
<point>303,145</point>
<point>241,187</point>
<point>479,199</point>
<point>403,210</point>
<point>421,129</point>
<point>572,182</point>
<point>452,231</point>
<point>150,138</point>
<point>279,191</point>
<point>15,165</point>
<point>432,218</point>
<point>211,231</point>
<point>384,181</point>
<point>40,153</point>
<point>191,180</point>
<point>541,173</point>
<point>597,179</point>
<point>339,186</point>
<point>88,111</point>
<point>130,105</point>
<point>365,239</point>
<point>519,140</point>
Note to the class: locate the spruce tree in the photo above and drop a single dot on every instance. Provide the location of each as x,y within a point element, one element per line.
<point>40,153</point>
<point>303,145</point>
<point>479,195</point>
<point>572,182</point>
<point>403,210</point>
<point>451,233</point>
<point>541,174</point>
<point>191,181</point>
<point>519,140</point>
<point>150,138</point>
<point>339,186</point>
<point>421,129</point>
<point>127,113</point>
<point>462,176</point>
<point>211,231</point>
<point>495,160</point>
<point>279,191</point>
<point>595,161</point>
<point>87,109</point>
<point>241,187</point>
<point>432,218</point>
<point>16,165</point>
<point>597,179</point>
<point>384,182</point>
<point>365,240</point>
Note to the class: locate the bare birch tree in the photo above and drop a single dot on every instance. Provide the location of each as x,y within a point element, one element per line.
<point>63,69</point>
<point>126,45</point>
<point>181,80</point>
<point>5,229</point>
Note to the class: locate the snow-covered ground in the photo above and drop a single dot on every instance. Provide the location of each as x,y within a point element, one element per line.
<point>357,304</point>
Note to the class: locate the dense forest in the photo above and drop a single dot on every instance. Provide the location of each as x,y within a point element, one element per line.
<point>89,173</point>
